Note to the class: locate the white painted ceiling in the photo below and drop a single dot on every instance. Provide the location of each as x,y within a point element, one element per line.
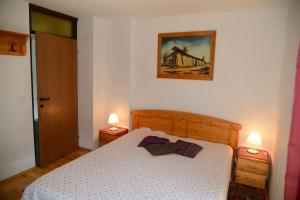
<point>153,8</point>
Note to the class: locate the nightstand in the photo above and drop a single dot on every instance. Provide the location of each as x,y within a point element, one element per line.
<point>252,169</point>
<point>106,135</point>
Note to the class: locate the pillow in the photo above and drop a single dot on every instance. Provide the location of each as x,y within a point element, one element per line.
<point>152,140</point>
<point>187,148</point>
<point>162,149</point>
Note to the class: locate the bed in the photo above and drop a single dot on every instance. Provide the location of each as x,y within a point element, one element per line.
<point>121,170</point>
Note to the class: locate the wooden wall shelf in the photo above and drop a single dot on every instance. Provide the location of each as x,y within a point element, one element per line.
<point>13,43</point>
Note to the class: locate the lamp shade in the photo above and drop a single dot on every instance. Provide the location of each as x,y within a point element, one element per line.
<point>113,118</point>
<point>254,138</point>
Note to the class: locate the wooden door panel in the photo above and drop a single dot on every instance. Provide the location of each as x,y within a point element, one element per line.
<point>56,65</point>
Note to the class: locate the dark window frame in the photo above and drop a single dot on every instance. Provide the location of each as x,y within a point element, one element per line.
<point>53,13</point>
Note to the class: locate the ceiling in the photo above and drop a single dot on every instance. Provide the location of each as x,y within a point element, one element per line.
<point>153,8</point>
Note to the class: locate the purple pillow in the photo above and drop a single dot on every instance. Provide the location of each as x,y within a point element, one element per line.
<point>187,148</point>
<point>161,149</point>
<point>152,140</point>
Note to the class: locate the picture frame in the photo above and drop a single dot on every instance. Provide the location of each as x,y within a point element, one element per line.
<point>186,55</point>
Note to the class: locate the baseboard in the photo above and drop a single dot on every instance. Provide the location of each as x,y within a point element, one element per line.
<point>21,168</point>
<point>89,145</point>
<point>16,167</point>
<point>84,148</point>
<point>17,175</point>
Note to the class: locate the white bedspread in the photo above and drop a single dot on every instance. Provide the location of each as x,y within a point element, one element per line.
<point>121,170</point>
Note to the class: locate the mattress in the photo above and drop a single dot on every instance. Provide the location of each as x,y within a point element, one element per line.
<point>121,170</point>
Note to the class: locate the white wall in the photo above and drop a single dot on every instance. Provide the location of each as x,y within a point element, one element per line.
<point>118,69</point>
<point>85,82</point>
<point>292,42</point>
<point>100,77</point>
<point>16,127</point>
<point>92,78</point>
<point>247,69</point>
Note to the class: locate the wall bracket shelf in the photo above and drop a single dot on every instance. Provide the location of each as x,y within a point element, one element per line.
<point>13,43</point>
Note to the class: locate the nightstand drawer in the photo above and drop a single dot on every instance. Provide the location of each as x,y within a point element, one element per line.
<point>107,137</point>
<point>251,179</point>
<point>104,140</point>
<point>252,166</point>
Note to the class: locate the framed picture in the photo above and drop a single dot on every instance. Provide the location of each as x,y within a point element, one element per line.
<point>186,55</point>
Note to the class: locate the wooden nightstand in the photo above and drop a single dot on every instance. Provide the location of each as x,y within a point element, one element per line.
<point>252,169</point>
<point>106,135</point>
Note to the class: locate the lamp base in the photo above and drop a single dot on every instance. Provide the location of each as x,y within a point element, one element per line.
<point>113,128</point>
<point>253,151</point>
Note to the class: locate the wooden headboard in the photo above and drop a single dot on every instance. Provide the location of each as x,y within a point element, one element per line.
<point>189,125</point>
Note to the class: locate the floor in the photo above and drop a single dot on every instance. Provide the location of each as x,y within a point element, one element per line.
<point>13,187</point>
<point>243,192</point>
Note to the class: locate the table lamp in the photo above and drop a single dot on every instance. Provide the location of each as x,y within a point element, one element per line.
<point>254,139</point>
<point>113,119</point>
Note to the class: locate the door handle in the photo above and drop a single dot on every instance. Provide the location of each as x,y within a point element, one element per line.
<point>44,98</point>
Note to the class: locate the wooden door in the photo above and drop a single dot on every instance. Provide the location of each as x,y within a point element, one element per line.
<point>56,68</point>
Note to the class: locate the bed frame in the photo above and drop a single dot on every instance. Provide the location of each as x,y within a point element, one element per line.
<point>189,125</point>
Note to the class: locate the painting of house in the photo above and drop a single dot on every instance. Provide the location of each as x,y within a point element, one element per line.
<point>186,55</point>
<point>180,58</point>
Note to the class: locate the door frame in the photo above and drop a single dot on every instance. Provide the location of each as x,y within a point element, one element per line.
<point>53,13</point>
